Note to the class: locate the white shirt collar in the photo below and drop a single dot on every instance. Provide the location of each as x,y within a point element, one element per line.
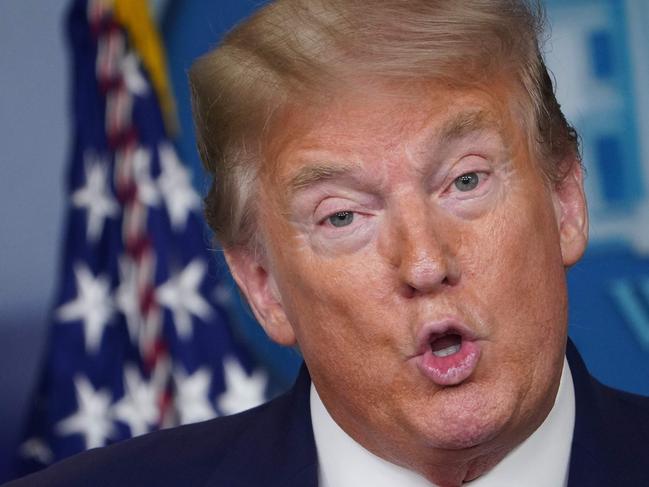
<point>541,460</point>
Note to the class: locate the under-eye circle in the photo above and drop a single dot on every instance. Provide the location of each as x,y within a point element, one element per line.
<point>467,182</point>
<point>341,219</point>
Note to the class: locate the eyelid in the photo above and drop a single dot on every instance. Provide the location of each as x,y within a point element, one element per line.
<point>357,215</point>
<point>331,205</point>
<point>327,208</point>
<point>446,173</point>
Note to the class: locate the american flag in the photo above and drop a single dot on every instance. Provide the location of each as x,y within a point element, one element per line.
<point>139,336</point>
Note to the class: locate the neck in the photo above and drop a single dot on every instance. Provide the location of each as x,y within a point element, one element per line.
<point>453,468</point>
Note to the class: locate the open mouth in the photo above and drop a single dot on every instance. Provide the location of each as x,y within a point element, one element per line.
<point>448,353</point>
<point>446,345</point>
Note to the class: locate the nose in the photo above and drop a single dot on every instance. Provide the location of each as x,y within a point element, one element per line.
<point>419,248</point>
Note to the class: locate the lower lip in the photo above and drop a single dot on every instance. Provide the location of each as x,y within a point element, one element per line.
<point>453,369</point>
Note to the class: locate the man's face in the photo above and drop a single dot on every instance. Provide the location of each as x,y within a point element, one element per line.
<point>417,255</point>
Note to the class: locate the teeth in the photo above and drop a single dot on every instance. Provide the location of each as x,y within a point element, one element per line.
<point>445,352</point>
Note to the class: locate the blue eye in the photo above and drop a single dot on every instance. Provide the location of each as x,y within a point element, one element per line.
<point>467,182</point>
<point>341,219</point>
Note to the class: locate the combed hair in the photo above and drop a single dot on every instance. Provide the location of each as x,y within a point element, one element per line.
<point>303,49</point>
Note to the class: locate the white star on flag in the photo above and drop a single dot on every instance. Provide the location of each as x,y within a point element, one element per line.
<point>176,188</point>
<point>139,406</point>
<point>91,419</point>
<point>135,82</point>
<point>242,391</point>
<point>192,396</point>
<point>93,305</point>
<point>181,295</point>
<point>95,196</point>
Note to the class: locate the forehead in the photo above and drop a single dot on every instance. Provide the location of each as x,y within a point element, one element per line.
<point>382,119</point>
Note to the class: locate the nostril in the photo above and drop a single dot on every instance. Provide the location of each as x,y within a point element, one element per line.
<point>409,291</point>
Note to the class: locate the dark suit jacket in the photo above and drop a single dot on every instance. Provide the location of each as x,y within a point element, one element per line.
<point>273,446</point>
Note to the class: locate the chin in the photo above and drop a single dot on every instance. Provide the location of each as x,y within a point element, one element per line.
<point>469,434</point>
<point>467,417</point>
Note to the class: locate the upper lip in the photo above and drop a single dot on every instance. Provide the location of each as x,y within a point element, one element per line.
<point>435,329</point>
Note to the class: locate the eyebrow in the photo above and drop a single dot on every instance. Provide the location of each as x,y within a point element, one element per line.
<point>465,123</point>
<point>317,173</point>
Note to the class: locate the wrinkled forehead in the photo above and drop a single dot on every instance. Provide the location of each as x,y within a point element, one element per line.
<point>378,116</point>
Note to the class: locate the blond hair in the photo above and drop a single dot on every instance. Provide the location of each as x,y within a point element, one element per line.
<point>302,48</point>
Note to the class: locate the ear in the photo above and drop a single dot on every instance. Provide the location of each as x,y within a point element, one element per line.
<point>572,214</point>
<point>258,286</point>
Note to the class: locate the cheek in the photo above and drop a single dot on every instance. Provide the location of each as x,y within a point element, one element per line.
<point>525,279</point>
<point>337,307</point>
<point>317,288</point>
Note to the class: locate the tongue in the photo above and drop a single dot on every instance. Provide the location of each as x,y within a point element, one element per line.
<point>446,345</point>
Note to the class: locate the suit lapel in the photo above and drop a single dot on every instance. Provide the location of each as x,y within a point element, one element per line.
<point>298,449</point>
<point>592,459</point>
<point>276,448</point>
